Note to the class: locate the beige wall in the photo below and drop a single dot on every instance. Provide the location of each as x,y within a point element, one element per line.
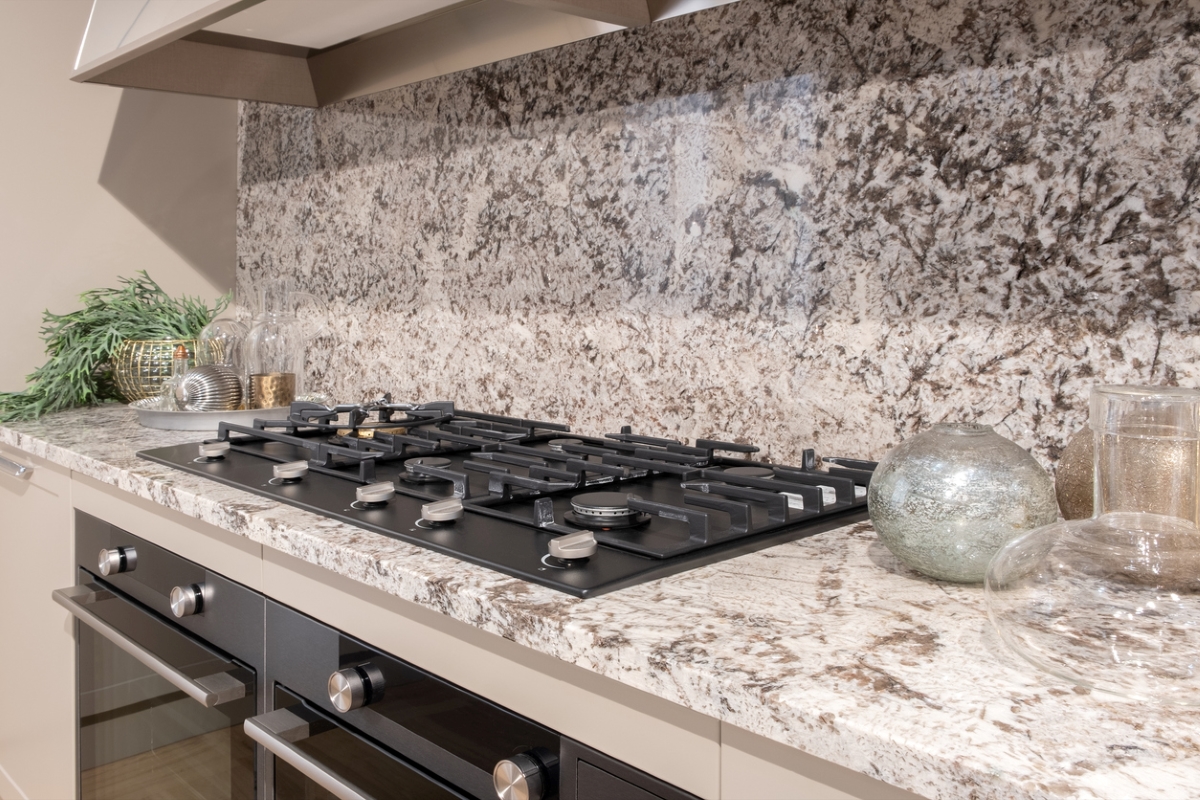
<point>98,182</point>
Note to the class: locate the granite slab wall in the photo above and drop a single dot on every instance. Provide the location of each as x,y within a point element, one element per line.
<point>826,223</point>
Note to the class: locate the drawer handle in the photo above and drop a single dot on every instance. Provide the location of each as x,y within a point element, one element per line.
<point>11,467</point>
<point>277,730</point>
<point>208,691</point>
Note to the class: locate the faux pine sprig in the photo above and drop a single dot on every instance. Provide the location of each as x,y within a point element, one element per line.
<point>81,344</point>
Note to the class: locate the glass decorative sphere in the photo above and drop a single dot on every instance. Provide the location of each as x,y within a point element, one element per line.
<point>947,499</point>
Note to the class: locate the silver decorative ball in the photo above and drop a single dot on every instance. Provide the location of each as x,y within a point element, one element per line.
<point>947,499</point>
<point>210,387</point>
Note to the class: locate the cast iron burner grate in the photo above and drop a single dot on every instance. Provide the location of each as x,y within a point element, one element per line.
<point>673,499</point>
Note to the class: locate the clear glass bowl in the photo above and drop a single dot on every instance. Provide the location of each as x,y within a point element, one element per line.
<point>1111,603</point>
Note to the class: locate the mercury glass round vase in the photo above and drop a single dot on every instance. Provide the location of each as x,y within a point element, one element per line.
<point>947,499</point>
<point>1113,602</point>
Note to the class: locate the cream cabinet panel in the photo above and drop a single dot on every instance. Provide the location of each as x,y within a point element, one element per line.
<point>756,768</point>
<point>116,23</point>
<point>118,28</point>
<point>37,654</point>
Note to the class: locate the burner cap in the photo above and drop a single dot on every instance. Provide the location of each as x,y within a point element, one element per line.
<point>426,461</point>
<point>602,505</point>
<point>751,472</point>
<point>557,445</point>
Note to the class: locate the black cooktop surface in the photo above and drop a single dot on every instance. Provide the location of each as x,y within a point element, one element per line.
<point>654,506</point>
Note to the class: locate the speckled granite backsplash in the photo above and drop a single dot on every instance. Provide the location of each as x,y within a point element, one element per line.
<point>824,223</point>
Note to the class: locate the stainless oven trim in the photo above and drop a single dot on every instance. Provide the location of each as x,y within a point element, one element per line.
<point>17,470</point>
<point>277,731</point>
<point>208,691</point>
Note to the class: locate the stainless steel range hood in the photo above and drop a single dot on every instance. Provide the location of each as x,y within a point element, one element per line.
<point>316,52</point>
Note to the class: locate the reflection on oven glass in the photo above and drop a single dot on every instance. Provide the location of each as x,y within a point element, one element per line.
<point>375,772</point>
<point>141,739</point>
<point>471,728</point>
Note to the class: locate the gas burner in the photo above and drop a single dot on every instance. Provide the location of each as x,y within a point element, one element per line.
<point>765,473</point>
<point>558,445</point>
<point>410,475</point>
<point>604,511</point>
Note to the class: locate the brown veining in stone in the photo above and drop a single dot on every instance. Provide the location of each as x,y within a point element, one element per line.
<point>921,640</point>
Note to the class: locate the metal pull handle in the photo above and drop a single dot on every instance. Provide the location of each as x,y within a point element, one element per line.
<point>16,470</point>
<point>278,730</point>
<point>208,691</point>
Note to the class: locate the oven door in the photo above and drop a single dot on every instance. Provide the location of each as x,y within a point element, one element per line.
<point>160,713</point>
<point>317,758</point>
<point>454,734</point>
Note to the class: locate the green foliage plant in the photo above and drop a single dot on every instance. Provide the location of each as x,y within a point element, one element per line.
<point>81,344</point>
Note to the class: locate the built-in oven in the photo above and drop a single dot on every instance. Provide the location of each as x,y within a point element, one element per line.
<point>192,686</point>
<point>169,656</point>
<point>352,722</point>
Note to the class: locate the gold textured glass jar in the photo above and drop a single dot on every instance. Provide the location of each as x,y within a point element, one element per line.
<point>276,346</point>
<point>1113,602</point>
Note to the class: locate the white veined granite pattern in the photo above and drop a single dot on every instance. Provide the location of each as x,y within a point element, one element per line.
<point>827,644</point>
<point>825,223</point>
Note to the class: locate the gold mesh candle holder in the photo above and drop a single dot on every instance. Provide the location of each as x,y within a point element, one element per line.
<point>141,366</point>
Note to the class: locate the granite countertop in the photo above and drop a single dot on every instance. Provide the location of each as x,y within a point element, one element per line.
<point>826,644</point>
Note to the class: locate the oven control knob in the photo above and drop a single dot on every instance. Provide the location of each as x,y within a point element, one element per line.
<point>119,559</point>
<point>291,471</point>
<point>188,600</point>
<point>355,687</point>
<point>442,510</point>
<point>376,492</point>
<point>519,777</point>
<point>573,545</point>
<point>214,450</point>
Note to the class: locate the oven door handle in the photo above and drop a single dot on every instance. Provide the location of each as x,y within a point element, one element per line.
<point>277,731</point>
<point>208,691</point>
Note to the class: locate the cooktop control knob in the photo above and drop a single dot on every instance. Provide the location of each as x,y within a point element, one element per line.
<point>214,450</point>
<point>355,687</point>
<point>376,492</point>
<point>119,559</point>
<point>520,777</point>
<point>188,600</point>
<point>291,471</point>
<point>573,545</point>
<point>442,510</point>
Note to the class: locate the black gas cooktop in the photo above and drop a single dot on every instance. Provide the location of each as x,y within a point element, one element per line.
<point>582,514</point>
